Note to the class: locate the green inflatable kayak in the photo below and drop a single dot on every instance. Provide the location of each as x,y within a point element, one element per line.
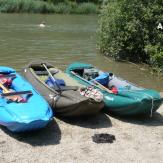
<point>120,96</point>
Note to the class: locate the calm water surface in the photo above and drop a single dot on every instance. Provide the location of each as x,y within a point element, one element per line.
<point>67,38</point>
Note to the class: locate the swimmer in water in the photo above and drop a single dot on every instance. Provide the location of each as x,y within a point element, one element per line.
<point>42,24</point>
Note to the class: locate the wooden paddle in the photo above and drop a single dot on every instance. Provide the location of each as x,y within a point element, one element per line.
<point>102,87</point>
<point>97,83</point>
<point>12,98</point>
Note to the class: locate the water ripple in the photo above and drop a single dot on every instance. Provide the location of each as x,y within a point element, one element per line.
<point>67,38</point>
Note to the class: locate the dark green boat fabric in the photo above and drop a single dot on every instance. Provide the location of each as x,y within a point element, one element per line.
<point>67,103</point>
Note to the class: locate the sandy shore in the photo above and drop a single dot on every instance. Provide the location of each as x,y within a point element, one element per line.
<point>137,140</point>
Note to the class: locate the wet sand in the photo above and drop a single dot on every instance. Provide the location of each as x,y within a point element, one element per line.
<point>70,141</point>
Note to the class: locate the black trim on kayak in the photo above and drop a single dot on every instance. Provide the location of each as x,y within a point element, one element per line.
<point>66,88</point>
<point>45,72</point>
<point>8,75</point>
<point>16,93</point>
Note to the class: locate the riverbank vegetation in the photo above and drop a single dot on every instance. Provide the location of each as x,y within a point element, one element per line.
<point>49,6</point>
<point>128,31</point>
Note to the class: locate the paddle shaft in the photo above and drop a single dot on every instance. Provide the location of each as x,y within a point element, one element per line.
<point>16,93</point>
<point>102,87</point>
<point>52,77</point>
<point>98,84</point>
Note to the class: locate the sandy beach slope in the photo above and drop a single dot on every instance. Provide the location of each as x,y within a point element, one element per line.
<point>70,141</point>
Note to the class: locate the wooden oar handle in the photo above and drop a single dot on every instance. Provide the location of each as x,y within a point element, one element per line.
<point>4,88</point>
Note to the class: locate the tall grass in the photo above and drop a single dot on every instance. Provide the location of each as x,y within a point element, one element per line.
<point>29,6</point>
<point>62,8</point>
<point>37,6</point>
<point>74,8</point>
<point>87,8</point>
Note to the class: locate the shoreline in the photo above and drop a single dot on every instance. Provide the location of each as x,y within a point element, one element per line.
<point>43,7</point>
<point>137,140</point>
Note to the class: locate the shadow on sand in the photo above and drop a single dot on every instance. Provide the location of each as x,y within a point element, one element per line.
<point>50,135</point>
<point>155,120</point>
<point>94,122</point>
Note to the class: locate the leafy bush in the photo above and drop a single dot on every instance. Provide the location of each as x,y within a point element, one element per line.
<point>128,27</point>
<point>156,55</point>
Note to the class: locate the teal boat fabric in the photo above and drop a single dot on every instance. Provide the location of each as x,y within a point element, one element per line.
<point>6,70</point>
<point>78,65</point>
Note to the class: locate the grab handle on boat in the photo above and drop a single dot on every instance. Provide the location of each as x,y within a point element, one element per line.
<point>7,75</point>
<point>10,96</point>
<point>16,93</point>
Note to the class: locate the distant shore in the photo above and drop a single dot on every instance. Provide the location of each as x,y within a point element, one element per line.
<point>32,6</point>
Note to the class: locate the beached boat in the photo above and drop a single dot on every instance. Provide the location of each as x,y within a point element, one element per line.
<point>120,96</point>
<point>21,106</point>
<point>64,97</point>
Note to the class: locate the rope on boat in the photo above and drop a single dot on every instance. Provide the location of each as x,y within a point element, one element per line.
<point>152,104</point>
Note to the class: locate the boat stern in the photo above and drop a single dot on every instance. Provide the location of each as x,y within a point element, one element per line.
<point>24,127</point>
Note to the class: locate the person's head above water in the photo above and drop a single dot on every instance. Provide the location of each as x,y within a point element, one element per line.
<point>42,24</point>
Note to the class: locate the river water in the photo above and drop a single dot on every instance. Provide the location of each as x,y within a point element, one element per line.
<point>65,39</point>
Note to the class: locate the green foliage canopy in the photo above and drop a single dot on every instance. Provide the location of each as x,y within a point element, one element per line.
<point>128,30</point>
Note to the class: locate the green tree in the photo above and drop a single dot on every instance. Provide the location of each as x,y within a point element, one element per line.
<point>128,30</point>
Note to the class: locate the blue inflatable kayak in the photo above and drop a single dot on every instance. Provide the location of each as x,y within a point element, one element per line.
<point>22,108</point>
